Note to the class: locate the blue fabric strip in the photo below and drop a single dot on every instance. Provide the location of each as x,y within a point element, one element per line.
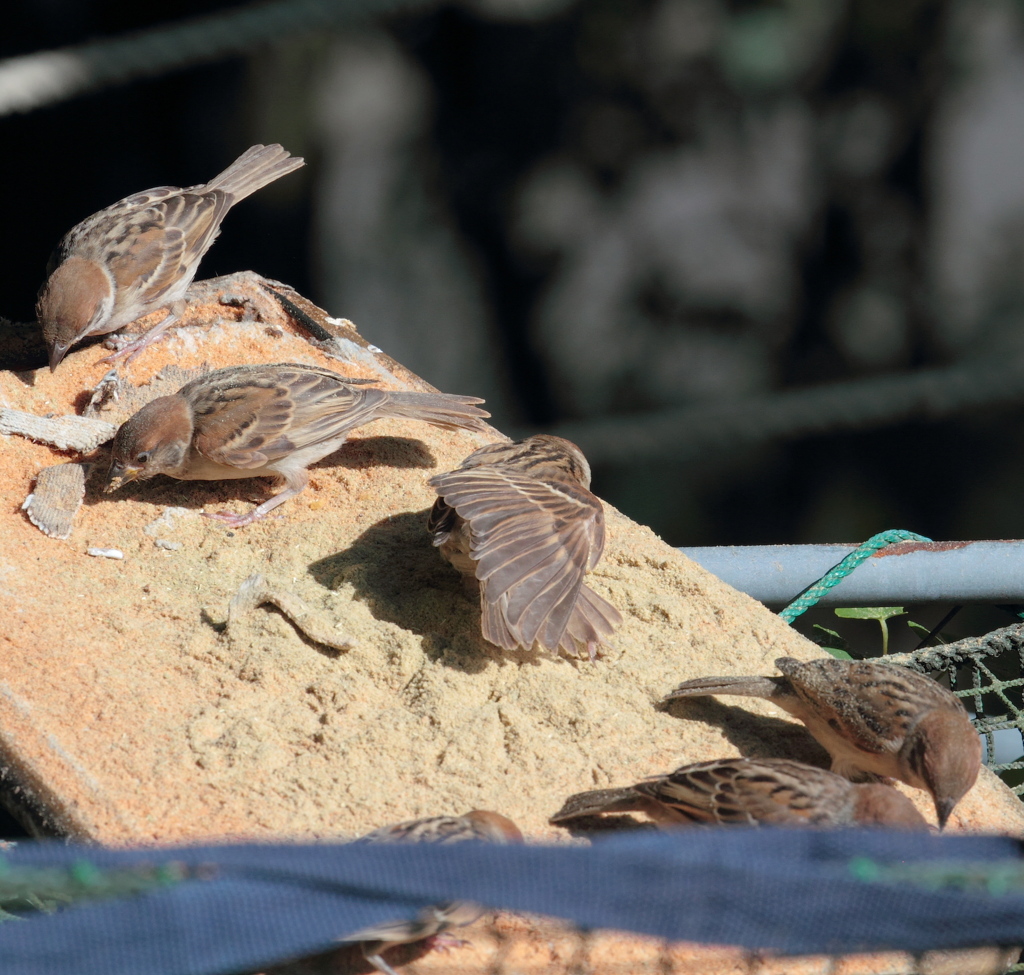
<point>786,890</point>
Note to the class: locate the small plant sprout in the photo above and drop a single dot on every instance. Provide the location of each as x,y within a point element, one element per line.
<point>880,613</point>
<point>833,643</point>
<point>940,638</point>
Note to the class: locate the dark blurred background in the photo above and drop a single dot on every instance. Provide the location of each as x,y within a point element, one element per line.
<point>611,208</point>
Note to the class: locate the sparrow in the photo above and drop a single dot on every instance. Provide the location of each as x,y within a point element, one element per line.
<point>751,792</point>
<point>265,421</point>
<point>480,825</point>
<point>140,254</point>
<point>520,519</point>
<point>875,718</point>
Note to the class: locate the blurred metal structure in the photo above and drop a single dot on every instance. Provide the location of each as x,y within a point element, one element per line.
<point>689,432</point>
<point>911,572</point>
<point>47,77</point>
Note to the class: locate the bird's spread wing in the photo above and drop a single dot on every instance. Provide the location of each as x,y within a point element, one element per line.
<point>533,540</point>
<point>430,921</point>
<point>593,621</point>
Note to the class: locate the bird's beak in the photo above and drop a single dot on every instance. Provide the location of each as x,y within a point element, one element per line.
<point>57,352</point>
<point>943,807</point>
<point>120,475</point>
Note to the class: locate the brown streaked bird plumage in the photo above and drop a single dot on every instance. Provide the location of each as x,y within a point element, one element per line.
<point>751,792</point>
<point>520,519</point>
<point>140,254</point>
<point>481,825</point>
<point>875,718</point>
<point>266,421</point>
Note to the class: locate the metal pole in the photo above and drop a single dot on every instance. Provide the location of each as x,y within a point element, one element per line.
<point>907,573</point>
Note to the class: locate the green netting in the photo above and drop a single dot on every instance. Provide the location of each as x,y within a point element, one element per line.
<point>988,673</point>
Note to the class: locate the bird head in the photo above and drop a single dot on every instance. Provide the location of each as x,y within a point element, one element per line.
<point>542,455</point>
<point>945,751</point>
<point>76,301</point>
<point>155,440</point>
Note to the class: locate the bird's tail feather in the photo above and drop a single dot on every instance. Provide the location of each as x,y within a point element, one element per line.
<point>600,801</point>
<point>253,169</point>
<point>766,687</point>
<point>440,409</point>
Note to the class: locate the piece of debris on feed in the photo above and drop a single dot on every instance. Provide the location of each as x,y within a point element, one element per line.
<point>256,591</point>
<point>69,432</point>
<point>57,496</point>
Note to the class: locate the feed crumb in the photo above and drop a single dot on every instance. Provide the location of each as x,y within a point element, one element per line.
<point>105,553</point>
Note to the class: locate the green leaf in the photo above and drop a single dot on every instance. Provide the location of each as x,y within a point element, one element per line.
<point>840,649</point>
<point>832,642</point>
<point>942,638</point>
<point>871,612</point>
<point>837,653</point>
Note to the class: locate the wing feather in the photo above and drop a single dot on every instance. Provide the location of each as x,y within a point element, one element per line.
<point>152,240</point>
<point>746,792</point>
<point>879,714</point>
<point>254,415</point>
<point>495,628</point>
<point>533,541</point>
<point>593,620</point>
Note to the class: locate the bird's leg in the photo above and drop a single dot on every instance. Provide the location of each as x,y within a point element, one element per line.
<point>295,484</point>
<point>108,388</point>
<point>373,951</point>
<point>132,348</point>
<point>377,961</point>
<point>445,942</point>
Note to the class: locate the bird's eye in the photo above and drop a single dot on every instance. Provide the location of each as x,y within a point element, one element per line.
<point>142,458</point>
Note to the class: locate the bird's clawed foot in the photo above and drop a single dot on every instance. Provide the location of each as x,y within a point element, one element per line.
<point>231,519</point>
<point>445,942</point>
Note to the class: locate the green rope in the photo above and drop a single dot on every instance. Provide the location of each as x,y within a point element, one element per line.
<point>841,570</point>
